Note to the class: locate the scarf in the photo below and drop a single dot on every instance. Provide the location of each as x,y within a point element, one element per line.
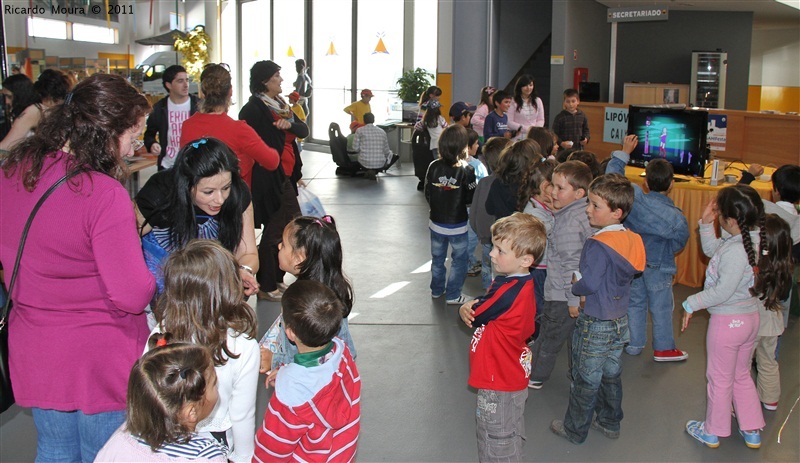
<point>277,105</point>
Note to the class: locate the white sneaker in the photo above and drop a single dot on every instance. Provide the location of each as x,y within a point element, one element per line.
<point>460,300</point>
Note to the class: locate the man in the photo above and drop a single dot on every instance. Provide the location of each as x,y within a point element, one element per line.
<point>168,115</point>
<point>361,107</point>
<point>373,148</point>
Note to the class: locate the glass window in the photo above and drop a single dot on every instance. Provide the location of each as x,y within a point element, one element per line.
<point>255,40</point>
<point>47,28</point>
<point>380,55</point>
<point>228,54</point>
<point>97,34</point>
<point>425,34</point>
<point>332,60</point>
<point>289,37</point>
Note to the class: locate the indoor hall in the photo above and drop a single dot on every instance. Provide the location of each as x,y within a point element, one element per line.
<point>412,355</point>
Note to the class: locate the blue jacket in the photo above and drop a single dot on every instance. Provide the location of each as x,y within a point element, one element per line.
<point>654,216</point>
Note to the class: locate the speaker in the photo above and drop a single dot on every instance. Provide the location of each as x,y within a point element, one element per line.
<point>589,91</point>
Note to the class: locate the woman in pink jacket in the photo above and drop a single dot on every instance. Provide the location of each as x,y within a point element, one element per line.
<point>526,109</point>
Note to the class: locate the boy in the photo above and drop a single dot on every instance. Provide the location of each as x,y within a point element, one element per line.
<point>449,187</point>
<point>358,108</point>
<point>665,231</point>
<point>570,230</point>
<point>461,114</point>
<point>571,125</point>
<point>496,123</point>
<point>609,261</point>
<point>166,120</point>
<point>314,414</point>
<point>474,265</point>
<point>498,356</point>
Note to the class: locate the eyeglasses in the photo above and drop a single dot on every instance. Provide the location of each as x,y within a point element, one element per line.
<point>224,66</point>
<point>137,144</point>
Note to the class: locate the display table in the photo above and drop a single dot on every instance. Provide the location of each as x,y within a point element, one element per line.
<point>135,165</point>
<point>692,197</point>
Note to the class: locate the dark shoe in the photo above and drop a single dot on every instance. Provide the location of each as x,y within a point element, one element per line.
<point>371,175</point>
<point>557,427</point>
<point>606,432</point>
<point>273,296</point>
<point>420,186</point>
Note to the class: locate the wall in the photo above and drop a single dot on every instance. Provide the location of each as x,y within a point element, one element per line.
<point>660,51</point>
<point>469,42</point>
<point>775,70</point>
<point>524,26</point>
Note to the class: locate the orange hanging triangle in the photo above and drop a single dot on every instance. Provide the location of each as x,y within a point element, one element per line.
<point>380,47</point>
<point>290,52</point>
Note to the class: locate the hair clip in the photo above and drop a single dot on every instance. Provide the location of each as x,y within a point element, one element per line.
<point>325,218</point>
<point>755,270</point>
<point>161,342</point>
<point>490,90</point>
<point>199,142</point>
<point>764,252</point>
<point>68,99</point>
<point>183,372</point>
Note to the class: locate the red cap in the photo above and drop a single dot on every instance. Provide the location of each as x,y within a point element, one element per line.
<point>294,96</point>
<point>366,92</point>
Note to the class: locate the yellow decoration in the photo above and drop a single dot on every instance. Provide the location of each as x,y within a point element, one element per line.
<point>290,52</point>
<point>195,51</point>
<point>380,47</point>
<point>331,50</point>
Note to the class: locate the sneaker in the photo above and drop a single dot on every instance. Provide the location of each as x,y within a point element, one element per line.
<point>460,300</point>
<point>475,270</point>
<point>557,427</point>
<point>696,430</point>
<point>535,384</point>
<point>752,439</point>
<point>673,355</point>
<point>437,296</point>
<point>606,432</point>
<point>771,407</point>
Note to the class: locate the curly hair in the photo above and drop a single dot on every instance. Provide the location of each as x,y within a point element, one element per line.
<point>54,85</point>
<point>775,263</point>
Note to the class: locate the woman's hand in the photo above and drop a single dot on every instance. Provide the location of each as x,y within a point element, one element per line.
<point>282,124</point>
<point>249,281</point>
<point>710,213</point>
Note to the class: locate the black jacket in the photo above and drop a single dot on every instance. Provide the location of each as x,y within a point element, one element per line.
<point>449,191</point>
<point>158,124</point>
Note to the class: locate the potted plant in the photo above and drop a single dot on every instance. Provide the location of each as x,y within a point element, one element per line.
<point>412,83</point>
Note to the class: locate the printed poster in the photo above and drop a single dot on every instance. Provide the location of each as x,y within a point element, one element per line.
<point>717,131</point>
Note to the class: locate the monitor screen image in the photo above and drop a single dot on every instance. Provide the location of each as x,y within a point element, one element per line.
<point>677,135</point>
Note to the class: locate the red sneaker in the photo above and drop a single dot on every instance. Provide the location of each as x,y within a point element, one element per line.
<point>771,407</point>
<point>673,355</point>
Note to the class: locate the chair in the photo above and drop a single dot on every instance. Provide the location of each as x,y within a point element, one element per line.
<point>421,153</point>
<point>338,144</point>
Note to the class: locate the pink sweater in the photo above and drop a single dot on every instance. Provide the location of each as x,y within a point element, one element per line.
<point>77,325</point>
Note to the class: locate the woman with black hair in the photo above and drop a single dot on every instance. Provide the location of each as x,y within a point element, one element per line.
<point>526,109</point>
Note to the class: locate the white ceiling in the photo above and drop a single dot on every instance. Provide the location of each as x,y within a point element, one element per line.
<point>766,13</point>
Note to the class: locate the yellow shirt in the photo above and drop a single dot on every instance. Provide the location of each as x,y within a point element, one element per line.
<point>358,109</point>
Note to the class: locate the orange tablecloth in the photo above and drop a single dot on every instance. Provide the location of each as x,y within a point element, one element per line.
<point>692,197</point>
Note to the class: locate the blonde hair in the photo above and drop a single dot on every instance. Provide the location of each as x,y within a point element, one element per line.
<point>525,234</point>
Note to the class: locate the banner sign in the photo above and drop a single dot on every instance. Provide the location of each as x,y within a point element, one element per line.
<point>636,14</point>
<point>615,125</point>
<point>717,131</point>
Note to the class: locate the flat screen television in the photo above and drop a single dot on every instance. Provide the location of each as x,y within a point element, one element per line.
<point>677,135</point>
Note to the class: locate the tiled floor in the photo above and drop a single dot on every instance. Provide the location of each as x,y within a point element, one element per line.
<point>412,355</point>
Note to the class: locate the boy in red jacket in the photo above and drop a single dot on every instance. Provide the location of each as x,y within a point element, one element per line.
<point>314,413</point>
<point>500,360</point>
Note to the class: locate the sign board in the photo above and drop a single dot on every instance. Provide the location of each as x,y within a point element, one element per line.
<point>637,14</point>
<point>717,131</point>
<point>556,59</point>
<point>615,125</point>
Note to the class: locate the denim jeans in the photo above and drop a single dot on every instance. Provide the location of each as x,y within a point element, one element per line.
<point>73,436</point>
<point>651,292</point>
<point>557,327</point>
<point>486,266</point>
<point>472,240</point>
<point>458,268</point>
<point>596,375</point>
<point>539,275</point>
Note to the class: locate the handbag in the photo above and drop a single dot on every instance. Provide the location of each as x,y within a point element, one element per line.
<point>309,203</point>
<point>6,392</point>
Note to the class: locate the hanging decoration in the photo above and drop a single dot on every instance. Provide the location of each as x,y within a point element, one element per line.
<point>380,47</point>
<point>290,52</point>
<point>194,48</point>
<point>331,49</point>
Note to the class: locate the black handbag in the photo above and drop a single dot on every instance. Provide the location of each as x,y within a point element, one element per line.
<point>6,392</point>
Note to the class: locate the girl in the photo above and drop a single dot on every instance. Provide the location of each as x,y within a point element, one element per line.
<point>434,123</point>
<point>170,390</point>
<point>432,93</point>
<point>484,108</point>
<point>731,297</point>
<point>540,205</point>
<point>310,250</point>
<point>202,303</point>
<point>526,109</point>
<point>546,139</point>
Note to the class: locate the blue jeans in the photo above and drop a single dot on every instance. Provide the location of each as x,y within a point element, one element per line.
<point>73,436</point>
<point>486,266</point>
<point>472,240</point>
<point>651,292</point>
<point>596,375</point>
<point>458,268</point>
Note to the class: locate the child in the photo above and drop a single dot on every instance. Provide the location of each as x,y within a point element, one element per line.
<point>449,187</point>
<point>588,158</point>
<point>496,123</point>
<point>540,205</point>
<point>314,414</point>
<point>778,246</point>
<point>665,231</point>
<point>297,109</point>
<point>479,220</point>
<point>734,282</point>
<point>570,231</point>
<point>202,303</point>
<point>434,123</point>
<point>310,250</point>
<point>503,320</point>
<point>474,265</point>
<point>609,260</point>
<point>170,390</point>
<point>571,125</point>
<point>485,106</point>
<point>546,140</point>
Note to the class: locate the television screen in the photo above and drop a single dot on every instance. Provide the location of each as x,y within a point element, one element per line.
<point>677,135</point>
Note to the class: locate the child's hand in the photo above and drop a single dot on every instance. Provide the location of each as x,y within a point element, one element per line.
<point>685,323</point>
<point>756,169</point>
<point>271,375</point>
<point>249,282</point>
<point>466,313</point>
<point>583,302</point>
<point>710,212</point>
<point>508,134</point>
<point>574,312</point>
<point>266,360</point>
<point>629,143</point>
<point>584,141</point>
<point>566,144</point>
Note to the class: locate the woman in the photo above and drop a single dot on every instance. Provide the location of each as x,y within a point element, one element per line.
<point>274,195</point>
<point>19,95</point>
<point>202,196</point>
<point>78,322</point>
<point>302,85</point>
<point>526,109</point>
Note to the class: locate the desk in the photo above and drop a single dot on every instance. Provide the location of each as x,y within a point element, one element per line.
<point>692,197</point>
<point>136,165</point>
<point>399,134</point>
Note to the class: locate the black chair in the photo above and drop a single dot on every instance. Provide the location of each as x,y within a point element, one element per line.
<point>339,152</point>
<point>421,154</point>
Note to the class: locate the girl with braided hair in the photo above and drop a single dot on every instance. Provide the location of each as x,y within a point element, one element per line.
<point>733,291</point>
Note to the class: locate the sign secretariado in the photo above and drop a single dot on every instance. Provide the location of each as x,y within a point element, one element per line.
<point>631,14</point>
